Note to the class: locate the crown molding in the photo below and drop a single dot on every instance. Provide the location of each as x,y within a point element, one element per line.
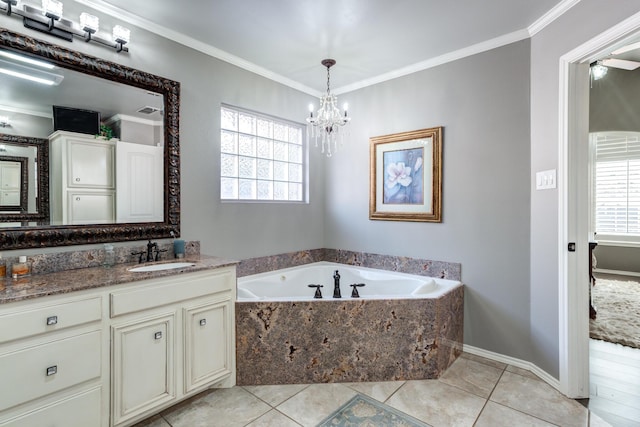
<point>222,55</point>
<point>205,48</point>
<point>438,60</point>
<point>554,13</point>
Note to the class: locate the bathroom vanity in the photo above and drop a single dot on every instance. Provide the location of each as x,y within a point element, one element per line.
<point>110,347</point>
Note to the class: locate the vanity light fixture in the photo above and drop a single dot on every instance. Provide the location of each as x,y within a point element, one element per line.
<point>10,3</point>
<point>49,20</point>
<point>52,9</point>
<point>121,35</point>
<point>328,119</point>
<point>89,24</point>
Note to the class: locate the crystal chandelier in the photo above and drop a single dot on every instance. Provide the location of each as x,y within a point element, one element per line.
<point>325,125</point>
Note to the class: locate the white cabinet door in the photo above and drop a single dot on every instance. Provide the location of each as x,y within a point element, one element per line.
<point>10,198</point>
<point>208,343</point>
<point>91,164</point>
<point>143,371</point>
<point>10,175</point>
<point>139,182</point>
<point>87,207</point>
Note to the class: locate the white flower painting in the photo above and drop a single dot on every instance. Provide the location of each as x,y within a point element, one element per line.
<point>403,177</point>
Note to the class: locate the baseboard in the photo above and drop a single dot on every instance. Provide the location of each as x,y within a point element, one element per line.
<point>618,272</point>
<point>519,363</point>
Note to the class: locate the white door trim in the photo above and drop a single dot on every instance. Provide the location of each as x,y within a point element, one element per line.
<point>573,214</point>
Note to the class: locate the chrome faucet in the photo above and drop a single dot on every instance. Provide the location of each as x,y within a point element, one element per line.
<point>336,285</point>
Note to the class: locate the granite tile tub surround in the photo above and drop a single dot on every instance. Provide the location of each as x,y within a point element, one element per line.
<point>72,260</point>
<point>306,342</point>
<point>422,267</point>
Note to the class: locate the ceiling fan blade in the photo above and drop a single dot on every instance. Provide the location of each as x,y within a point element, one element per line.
<point>621,63</point>
<point>627,48</point>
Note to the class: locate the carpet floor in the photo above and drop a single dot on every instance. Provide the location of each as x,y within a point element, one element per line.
<point>617,304</point>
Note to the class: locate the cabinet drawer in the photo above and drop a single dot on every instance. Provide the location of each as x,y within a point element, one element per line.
<point>48,318</point>
<point>81,410</point>
<point>171,290</point>
<point>40,370</point>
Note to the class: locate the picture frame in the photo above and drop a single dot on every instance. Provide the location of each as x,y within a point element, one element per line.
<point>405,175</point>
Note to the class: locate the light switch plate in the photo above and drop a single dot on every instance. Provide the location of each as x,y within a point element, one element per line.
<point>546,180</point>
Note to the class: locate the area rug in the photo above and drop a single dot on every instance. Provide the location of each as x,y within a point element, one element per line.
<point>618,312</point>
<point>362,411</point>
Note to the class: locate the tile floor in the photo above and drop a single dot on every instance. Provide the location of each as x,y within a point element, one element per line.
<point>473,392</point>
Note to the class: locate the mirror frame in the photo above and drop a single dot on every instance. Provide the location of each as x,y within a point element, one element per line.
<point>42,156</point>
<point>63,235</point>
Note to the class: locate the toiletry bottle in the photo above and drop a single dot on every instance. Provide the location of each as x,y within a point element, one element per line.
<point>3,268</point>
<point>109,256</point>
<point>21,269</point>
<point>178,248</point>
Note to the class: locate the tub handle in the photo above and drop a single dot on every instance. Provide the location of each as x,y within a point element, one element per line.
<point>318,293</point>
<point>355,286</point>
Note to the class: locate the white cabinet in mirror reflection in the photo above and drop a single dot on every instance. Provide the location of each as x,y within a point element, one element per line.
<point>9,183</point>
<point>95,181</point>
<point>82,179</point>
<point>139,182</point>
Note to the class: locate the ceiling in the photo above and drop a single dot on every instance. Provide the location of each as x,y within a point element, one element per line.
<point>371,40</point>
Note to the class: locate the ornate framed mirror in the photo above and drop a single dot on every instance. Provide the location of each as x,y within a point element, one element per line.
<point>42,227</point>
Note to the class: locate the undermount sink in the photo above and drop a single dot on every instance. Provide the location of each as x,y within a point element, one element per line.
<point>160,267</point>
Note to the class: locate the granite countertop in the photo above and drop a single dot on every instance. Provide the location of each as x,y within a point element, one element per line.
<point>63,282</point>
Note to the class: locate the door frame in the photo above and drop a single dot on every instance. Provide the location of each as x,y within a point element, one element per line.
<point>573,204</point>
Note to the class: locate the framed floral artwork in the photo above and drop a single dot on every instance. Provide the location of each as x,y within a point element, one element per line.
<point>405,176</point>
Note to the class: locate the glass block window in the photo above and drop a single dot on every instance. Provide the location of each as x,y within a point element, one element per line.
<point>262,158</point>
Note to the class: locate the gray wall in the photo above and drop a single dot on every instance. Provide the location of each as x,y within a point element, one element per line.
<point>483,104</point>
<point>235,230</point>
<point>581,23</point>
<point>614,102</point>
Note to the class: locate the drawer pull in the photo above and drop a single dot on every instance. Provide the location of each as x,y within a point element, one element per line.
<point>203,322</point>
<point>52,320</point>
<point>157,335</point>
<point>77,179</point>
<point>52,370</point>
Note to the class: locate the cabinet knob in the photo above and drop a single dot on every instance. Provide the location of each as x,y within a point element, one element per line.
<point>203,322</point>
<point>52,320</point>
<point>52,370</point>
<point>77,199</point>
<point>157,335</point>
<point>77,179</point>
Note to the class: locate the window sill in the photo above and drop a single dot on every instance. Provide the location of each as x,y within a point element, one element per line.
<point>623,241</point>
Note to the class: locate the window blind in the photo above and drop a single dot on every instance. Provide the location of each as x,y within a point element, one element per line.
<point>617,183</point>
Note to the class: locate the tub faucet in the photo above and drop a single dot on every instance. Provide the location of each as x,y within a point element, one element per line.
<point>336,285</point>
<point>354,292</point>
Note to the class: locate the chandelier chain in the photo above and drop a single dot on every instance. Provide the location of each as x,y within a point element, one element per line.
<point>328,80</point>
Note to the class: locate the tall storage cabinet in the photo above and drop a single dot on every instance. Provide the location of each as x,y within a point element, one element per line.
<point>82,179</point>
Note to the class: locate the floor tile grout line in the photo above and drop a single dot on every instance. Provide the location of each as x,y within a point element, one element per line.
<point>509,407</point>
<point>487,399</point>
